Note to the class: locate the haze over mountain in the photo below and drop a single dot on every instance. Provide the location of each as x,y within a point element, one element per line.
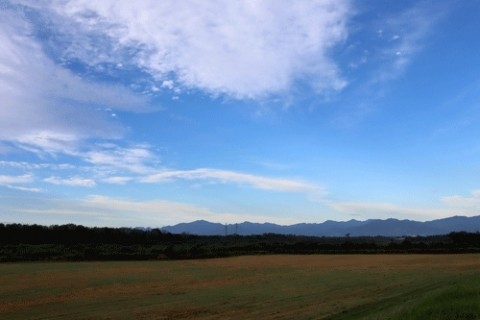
<point>371,227</point>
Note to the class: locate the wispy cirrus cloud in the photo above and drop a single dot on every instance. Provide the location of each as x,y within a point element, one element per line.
<point>36,166</point>
<point>396,38</point>
<point>72,181</point>
<point>402,36</point>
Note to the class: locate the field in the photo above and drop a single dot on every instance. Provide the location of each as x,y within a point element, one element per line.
<point>247,287</point>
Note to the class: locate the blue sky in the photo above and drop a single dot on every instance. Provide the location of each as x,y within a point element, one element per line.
<point>149,113</point>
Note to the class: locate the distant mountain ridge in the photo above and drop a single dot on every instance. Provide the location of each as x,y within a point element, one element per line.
<point>371,227</point>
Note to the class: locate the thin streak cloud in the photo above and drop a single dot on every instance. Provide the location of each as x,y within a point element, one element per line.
<point>224,176</point>
<point>73,181</point>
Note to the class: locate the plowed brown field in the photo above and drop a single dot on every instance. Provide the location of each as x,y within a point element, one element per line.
<point>248,287</point>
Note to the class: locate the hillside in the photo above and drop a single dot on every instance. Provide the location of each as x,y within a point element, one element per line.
<point>372,227</point>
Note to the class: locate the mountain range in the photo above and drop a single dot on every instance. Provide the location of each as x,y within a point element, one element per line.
<point>371,227</point>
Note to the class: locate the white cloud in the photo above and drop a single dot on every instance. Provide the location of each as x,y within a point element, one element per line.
<point>452,205</point>
<point>244,49</point>
<point>378,210</point>
<point>168,212</point>
<point>156,209</point>
<point>21,188</point>
<point>45,106</point>
<point>22,165</point>
<point>225,176</point>
<point>465,205</point>
<point>8,180</point>
<point>109,163</point>
<point>117,180</point>
<point>97,210</point>
<point>18,182</point>
<point>102,159</point>
<point>45,141</point>
<point>73,181</point>
<point>133,159</point>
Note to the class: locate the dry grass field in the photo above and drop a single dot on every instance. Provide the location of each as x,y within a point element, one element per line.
<point>247,287</point>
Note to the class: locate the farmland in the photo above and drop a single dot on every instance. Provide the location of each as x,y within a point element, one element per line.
<point>264,287</point>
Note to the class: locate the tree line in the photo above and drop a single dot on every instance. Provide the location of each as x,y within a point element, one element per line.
<point>20,242</point>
